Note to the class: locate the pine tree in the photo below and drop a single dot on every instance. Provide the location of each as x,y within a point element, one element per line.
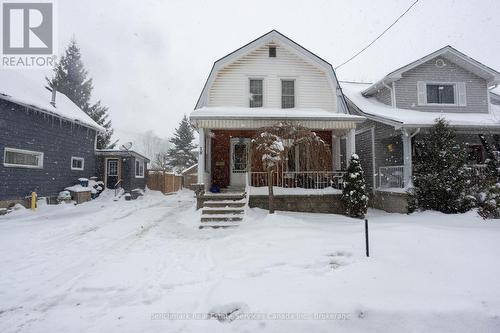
<point>354,195</point>
<point>71,79</point>
<point>182,155</point>
<point>441,178</point>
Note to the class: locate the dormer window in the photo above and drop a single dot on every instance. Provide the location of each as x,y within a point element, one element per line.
<point>440,94</point>
<point>272,51</point>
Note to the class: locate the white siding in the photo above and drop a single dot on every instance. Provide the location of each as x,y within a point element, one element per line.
<point>312,86</point>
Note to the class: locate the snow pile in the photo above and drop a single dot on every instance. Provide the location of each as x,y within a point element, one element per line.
<point>20,89</point>
<point>144,266</point>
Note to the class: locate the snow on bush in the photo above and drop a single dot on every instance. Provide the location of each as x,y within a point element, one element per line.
<point>354,195</point>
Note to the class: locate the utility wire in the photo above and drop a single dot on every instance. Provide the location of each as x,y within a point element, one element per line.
<point>378,37</point>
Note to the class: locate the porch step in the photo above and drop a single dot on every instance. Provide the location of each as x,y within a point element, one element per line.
<point>221,218</point>
<point>219,224</point>
<point>224,203</point>
<point>221,210</point>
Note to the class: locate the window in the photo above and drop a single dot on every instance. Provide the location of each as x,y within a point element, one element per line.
<point>256,93</point>
<point>287,94</point>
<point>139,169</point>
<point>440,94</point>
<point>272,51</point>
<point>22,158</point>
<point>77,163</point>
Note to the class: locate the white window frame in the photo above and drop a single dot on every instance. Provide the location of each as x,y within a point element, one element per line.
<point>75,158</point>
<point>455,92</point>
<point>22,151</point>
<point>263,90</point>
<point>295,100</point>
<point>141,162</point>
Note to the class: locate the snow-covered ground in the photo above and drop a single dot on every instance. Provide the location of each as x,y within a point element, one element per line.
<point>127,266</point>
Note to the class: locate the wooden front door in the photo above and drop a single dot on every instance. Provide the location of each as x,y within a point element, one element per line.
<point>239,154</point>
<point>112,172</point>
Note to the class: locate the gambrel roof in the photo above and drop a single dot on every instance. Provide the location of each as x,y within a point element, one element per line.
<point>491,76</point>
<point>272,37</point>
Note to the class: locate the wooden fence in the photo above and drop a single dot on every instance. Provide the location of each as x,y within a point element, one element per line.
<point>164,181</point>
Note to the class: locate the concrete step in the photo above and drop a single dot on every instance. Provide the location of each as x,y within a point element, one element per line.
<point>224,196</point>
<point>221,218</point>
<point>233,204</point>
<point>215,225</point>
<point>221,210</point>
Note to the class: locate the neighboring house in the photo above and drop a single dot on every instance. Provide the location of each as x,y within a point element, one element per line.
<point>405,103</point>
<point>46,141</point>
<point>269,80</point>
<point>122,168</point>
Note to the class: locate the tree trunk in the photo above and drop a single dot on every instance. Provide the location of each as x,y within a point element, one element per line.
<point>270,190</point>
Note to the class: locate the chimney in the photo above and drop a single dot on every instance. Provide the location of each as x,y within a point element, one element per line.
<point>53,100</point>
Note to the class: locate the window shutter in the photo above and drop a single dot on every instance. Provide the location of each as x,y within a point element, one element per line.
<point>462,97</point>
<point>421,93</point>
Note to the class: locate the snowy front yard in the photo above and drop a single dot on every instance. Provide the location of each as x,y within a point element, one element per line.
<point>123,266</point>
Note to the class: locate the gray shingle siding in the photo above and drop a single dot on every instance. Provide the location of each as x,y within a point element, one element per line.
<point>59,140</point>
<point>384,96</point>
<point>127,172</point>
<point>388,146</point>
<point>476,88</point>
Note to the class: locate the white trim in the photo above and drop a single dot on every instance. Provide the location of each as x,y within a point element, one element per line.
<point>75,158</point>
<point>201,157</point>
<point>141,163</point>
<point>23,151</point>
<point>374,159</point>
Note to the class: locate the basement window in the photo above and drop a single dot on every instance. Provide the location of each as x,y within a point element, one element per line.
<point>22,158</point>
<point>272,51</point>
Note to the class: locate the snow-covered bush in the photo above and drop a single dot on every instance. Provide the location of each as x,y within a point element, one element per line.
<point>354,195</point>
<point>441,179</point>
<point>489,197</point>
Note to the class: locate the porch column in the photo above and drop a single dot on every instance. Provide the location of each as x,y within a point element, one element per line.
<point>350,144</point>
<point>336,164</point>
<point>201,156</point>
<point>407,162</point>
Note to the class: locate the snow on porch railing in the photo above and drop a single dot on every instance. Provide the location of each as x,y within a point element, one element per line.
<point>298,179</point>
<point>391,176</point>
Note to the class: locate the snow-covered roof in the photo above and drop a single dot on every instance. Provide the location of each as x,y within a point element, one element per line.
<point>19,89</point>
<point>372,108</point>
<point>230,112</point>
<point>272,36</point>
<point>118,152</point>
<point>490,75</point>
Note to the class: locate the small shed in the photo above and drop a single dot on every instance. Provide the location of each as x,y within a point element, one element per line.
<point>122,168</point>
<point>190,176</point>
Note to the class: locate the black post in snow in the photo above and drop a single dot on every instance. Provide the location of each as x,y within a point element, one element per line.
<point>366,238</point>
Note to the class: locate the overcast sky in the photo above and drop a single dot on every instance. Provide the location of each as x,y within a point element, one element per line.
<point>149,59</point>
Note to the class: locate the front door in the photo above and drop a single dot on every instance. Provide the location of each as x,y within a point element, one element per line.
<point>239,153</point>
<point>111,172</point>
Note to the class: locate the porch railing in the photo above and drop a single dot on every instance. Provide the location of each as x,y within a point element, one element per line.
<point>391,176</point>
<point>298,179</point>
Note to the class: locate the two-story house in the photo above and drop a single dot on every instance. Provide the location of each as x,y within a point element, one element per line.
<point>269,80</point>
<point>401,106</point>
